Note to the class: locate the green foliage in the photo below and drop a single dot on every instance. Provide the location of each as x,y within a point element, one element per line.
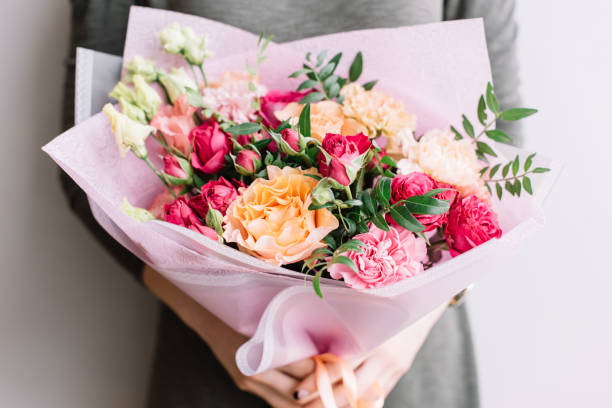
<point>512,180</point>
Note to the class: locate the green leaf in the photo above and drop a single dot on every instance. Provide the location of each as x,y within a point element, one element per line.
<point>527,185</point>
<point>321,57</point>
<point>488,188</point>
<point>481,111</point>
<point>515,165</point>
<point>299,72</point>
<point>304,121</point>
<point>517,113</point>
<point>352,245</point>
<point>330,241</point>
<point>313,206</point>
<point>506,169</point>
<point>388,161</point>
<point>316,284</point>
<point>307,84</point>
<point>356,67</point>
<point>498,136</point>
<point>467,125</point>
<point>492,102</point>
<point>528,162</point>
<point>494,170</point>
<point>369,85</point>
<point>517,187</point>
<point>485,149</point>
<point>483,171</point>
<point>330,80</point>
<point>335,59</point>
<point>247,128</point>
<point>509,187</point>
<point>458,136</point>
<point>345,260</point>
<point>382,190</point>
<point>354,203</point>
<point>426,205</point>
<point>327,70</point>
<point>380,222</point>
<point>333,90</point>
<point>499,189</point>
<point>402,215</point>
<point>312,97</point>
<point>540,170</point>
<point>435,192</point>
<point>368,203</point>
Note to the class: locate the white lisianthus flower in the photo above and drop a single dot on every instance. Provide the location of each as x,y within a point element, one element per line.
<point>139,214</point>
<point>122,91</point>
<point>147,98</point>
<point>132,111</point>
<point>129,134</point>
<point>172,38</point>
<point>140,66</point>
<point>196,47</point>
<point>177,82</point>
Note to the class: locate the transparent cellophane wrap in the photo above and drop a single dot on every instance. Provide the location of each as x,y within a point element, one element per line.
<point>437,70</point>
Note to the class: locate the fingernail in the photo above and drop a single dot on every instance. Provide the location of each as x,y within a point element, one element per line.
<point>299,394</point>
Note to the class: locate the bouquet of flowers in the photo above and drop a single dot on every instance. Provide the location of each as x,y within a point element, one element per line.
<point>254,167</point>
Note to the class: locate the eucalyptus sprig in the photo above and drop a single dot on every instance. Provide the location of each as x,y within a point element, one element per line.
<point>512,180</point>
<point>262,44</point>
<point>322,79</point>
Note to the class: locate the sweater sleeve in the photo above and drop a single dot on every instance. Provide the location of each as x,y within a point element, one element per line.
<point>501,31</point>
<point>98,25</point>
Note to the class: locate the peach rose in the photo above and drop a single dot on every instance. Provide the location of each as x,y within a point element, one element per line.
<point>325,117</point>
<point>448,161</point>
<point>175,122</point>
<point>271,220</point>
<point>377,112</point>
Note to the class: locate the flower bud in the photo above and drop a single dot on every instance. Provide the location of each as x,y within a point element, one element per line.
<point>147,98</point>
<point>195,48</point>
<point>122,91</point>
<point>129,134</point>
<point>176,83</point>
<point>132,111</point>
<point>172,38</point>
<point>177,168</point>
<point>292,143</point>
<point>139,214</point>
<point>322,194</point>
<point>248,162</point>
<point>141,66</point>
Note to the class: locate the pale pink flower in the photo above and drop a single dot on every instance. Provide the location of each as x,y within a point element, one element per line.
<point>175,122</point>
<point>231,98</point>
<point>387,257</point>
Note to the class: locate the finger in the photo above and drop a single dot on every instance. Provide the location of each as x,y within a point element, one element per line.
<point>299,369</point>
<point>306,391</point>
<point>278,381</point>
<point>270,395</point>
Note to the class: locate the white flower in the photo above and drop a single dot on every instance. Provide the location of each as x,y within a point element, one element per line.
<point>195,49</point>
<point>401,142</point>
<point>147,98</point>
<point>129,134</point>
<point>141,66</point>
<point>139,214</point>
<point>122,91</point>
<point>132,111</point>
<point>177,82</point>
<point>407,166</point>
<point>172,38</point>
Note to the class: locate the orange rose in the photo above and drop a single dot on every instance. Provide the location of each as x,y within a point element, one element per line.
<point>271,220</point>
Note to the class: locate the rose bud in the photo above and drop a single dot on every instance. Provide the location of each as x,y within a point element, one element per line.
<point>210,145</point>
<point>248,162</point>
<point>174,168</point>
<point>416,183</point>
<point>180,213</point>
<point>471,222</point>
<point>219,194</point>
<point>291,143</point>
<point>343,157</point>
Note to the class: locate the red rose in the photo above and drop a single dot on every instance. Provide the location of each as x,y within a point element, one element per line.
<point>210,145</point>
<point>218,193</point>
<point>471,222</point>
<point>180,213</point>
<point>417,183</point>
<point>346,156</point>
<point>274,101</point>
<point>249,160</point>
<point>173,168</point>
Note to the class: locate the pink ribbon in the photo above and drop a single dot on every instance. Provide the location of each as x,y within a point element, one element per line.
<point>349,382</point>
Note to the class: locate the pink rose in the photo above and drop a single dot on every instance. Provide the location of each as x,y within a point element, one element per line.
<point>292,138</point>
<point>249,160</point>
<point>471,222</point>
<point>387,257</point>
<point>210,145</point>
<point>163,198</point>
<point>175,122</point>
<point>218,193</point>
<point>416,183</point>
<point>345,152</point>
<point>173,168</point>
<point>274,101</point>
<point>180,213</point>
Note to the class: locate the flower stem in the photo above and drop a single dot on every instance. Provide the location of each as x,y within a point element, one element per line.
<point>203,75</point>
<point>509,178</point>
<point>347,189</point>
<point>195,76</point>
<point>158,174</point>
<point>487,126</point>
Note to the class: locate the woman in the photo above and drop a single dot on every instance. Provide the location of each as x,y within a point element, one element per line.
<point>431,364</point>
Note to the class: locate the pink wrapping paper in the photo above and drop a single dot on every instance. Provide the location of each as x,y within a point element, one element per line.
<point>438,71</point>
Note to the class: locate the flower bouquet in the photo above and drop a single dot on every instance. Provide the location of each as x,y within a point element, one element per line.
<point>294,200</point>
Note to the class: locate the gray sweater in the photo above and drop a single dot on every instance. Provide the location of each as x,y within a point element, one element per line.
<point>185,372</point>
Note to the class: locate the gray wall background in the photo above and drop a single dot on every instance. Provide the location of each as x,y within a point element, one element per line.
<point>75,331</point>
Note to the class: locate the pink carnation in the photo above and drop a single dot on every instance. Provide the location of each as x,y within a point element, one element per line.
<point>387,257</point>
<point>231,97</point>
<point>175,122</point>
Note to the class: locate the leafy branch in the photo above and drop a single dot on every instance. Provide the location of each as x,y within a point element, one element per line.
<point>510,179</point>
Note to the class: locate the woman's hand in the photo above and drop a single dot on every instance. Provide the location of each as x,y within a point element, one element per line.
<point>276,387</point>
<point>378,372</point>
